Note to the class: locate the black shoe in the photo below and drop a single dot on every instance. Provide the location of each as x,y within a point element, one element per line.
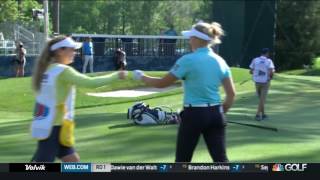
<point>258,117</point>
<point>265,117</point>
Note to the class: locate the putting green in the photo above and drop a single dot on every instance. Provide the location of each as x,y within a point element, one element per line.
<point>104,135</point>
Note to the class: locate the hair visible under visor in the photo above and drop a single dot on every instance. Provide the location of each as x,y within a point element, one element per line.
<point>66,42</point>
<point>45,59</point>
<point>214,31</point>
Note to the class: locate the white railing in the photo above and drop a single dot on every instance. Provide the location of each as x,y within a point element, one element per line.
<point>23,34</point>
<point>27,37</point>
<point>13,32</point>
<point>7,47</point>
<point>137,45</point>
<point>107,36</point>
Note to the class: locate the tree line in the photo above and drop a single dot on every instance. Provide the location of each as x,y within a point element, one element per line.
<point>297,33</point>
<point>130,17</point>
<point>297,22</point>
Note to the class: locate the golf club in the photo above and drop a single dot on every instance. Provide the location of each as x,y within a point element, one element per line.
<point>244,81</point>
<point>254,125</point>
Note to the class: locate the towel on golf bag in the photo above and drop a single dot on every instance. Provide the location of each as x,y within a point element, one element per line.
<point>141,114</point>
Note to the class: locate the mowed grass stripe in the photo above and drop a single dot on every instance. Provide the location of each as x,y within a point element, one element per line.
<point>103,133</point>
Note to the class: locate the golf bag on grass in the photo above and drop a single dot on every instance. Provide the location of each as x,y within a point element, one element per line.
<point>141,114</point>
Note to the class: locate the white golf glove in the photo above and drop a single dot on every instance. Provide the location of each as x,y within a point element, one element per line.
<point>137,74</point>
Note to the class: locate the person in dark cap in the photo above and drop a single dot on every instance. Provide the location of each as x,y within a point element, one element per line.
<point>262,70</point>
<point>120,59</point>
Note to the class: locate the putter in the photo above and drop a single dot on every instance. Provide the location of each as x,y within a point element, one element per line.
<point>244,81</point>
<point>256,126</point>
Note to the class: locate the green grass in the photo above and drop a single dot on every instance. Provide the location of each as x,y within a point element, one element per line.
<point>314,71</point>
<point>103,133</point>
<point>20,97</point>
<point>303,72</point>
<point>316,63</point>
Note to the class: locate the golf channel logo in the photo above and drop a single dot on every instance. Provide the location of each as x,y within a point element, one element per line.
<point>295,167</point>
<point>277,167</point>
<point>289,167</point>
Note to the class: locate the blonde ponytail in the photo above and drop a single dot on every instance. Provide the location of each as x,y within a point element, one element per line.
<point>217,32</point>
<point>213,30</point>
<point>44,60</point>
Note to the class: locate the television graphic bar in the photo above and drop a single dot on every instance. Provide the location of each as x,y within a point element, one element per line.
<point>162,167</point>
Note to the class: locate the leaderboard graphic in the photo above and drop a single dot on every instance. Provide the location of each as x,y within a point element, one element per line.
<point>161,167</point>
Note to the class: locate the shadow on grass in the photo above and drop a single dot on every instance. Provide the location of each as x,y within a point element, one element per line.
<point>126,125</point>
<point>300,81</point>
<point>129,143</point>
<point>16,127</point>
<point>91,120</point>
<point>122,125</point>
<point>306,157</point>
<point>110,137</point>
<point>309,72</point>
<point>140,142</point>
<point>312,72</point>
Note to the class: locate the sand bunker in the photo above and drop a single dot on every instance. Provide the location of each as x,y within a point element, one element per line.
<point>132,93</point>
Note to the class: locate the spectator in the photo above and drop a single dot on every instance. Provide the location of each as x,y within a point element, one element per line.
<point>170,44</point>
<point>20,59</point>
<point>87,53</point>
<point>120,59</point>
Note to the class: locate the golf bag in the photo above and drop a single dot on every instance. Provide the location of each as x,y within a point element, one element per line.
<point>141,114</point>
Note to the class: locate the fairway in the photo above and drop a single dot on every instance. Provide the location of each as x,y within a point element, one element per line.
<point>103,134</point>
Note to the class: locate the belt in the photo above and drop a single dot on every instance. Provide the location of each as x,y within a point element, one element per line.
<point>201,105</point>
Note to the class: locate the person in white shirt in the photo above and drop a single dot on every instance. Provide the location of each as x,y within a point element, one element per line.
<point>262,70</point>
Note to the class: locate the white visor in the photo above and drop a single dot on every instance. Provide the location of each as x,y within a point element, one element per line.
<point>196,33</point>
<point>67,42</point>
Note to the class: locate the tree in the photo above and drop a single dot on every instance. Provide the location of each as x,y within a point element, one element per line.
<point>180,14</point>
<point>130,17</point>
<point>8,10</point>
<point>297,33</point>
<point>26,6</point>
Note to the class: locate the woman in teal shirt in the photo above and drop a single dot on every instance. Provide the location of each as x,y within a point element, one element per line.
<point>202,72</point>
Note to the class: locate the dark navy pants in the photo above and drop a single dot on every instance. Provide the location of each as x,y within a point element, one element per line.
<point>208,121</point>
<point>51,148</point>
